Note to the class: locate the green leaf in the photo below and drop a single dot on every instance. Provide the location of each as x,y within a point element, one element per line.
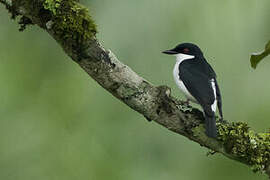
<point>257,57</point>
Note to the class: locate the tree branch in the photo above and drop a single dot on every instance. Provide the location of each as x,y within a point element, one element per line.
<point>70,24</point>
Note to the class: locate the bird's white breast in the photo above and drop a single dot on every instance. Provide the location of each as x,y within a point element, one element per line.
<point>180,58</point>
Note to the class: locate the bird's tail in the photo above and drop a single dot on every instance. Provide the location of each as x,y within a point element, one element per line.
<point>210,124</point>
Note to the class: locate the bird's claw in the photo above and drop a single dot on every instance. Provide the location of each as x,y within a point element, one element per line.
<point>186,103</point>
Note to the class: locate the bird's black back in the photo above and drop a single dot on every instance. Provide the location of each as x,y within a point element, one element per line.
<point>197,75</point>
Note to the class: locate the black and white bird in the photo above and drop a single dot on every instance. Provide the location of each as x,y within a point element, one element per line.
<point>197,79</point>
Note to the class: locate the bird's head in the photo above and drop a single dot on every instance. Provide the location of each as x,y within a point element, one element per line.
<point>185,49</point>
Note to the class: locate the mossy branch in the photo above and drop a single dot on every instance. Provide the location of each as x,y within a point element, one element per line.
<point>70,24</point>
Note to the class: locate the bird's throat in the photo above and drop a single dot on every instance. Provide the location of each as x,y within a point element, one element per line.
<point>182,57</point>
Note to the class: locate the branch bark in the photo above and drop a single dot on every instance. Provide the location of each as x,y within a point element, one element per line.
<point>70,24</point>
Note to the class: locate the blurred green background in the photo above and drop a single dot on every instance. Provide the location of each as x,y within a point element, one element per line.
<point>56,123</point>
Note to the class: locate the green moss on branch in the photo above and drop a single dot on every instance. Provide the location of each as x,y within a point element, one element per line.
<point>70,20</point>
<point>243,143</point>
<point>52,5</point>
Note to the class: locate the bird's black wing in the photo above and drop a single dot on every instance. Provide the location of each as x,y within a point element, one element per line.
<point>219,101</point>
<point>197,79</point>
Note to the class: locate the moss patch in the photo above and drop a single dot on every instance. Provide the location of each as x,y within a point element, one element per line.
<point>52,5</point>
<point>70,20</point>
<point>243,143</point>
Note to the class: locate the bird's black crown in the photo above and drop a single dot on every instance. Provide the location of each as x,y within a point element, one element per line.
<point>185,48</point>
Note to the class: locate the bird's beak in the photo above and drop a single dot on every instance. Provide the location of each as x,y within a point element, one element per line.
<point>170,52</point>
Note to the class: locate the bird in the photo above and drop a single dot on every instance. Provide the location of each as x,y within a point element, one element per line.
<point>197,80</point>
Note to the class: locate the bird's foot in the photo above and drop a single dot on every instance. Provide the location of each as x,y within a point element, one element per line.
<point>223,121</point>
<point>187,103</point>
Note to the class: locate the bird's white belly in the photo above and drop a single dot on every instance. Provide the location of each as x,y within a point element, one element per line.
<point>180,83</point>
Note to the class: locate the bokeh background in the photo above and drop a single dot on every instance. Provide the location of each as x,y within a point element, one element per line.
<point>56,123</point>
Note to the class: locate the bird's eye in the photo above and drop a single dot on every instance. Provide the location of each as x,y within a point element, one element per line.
<point>186,50</point>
